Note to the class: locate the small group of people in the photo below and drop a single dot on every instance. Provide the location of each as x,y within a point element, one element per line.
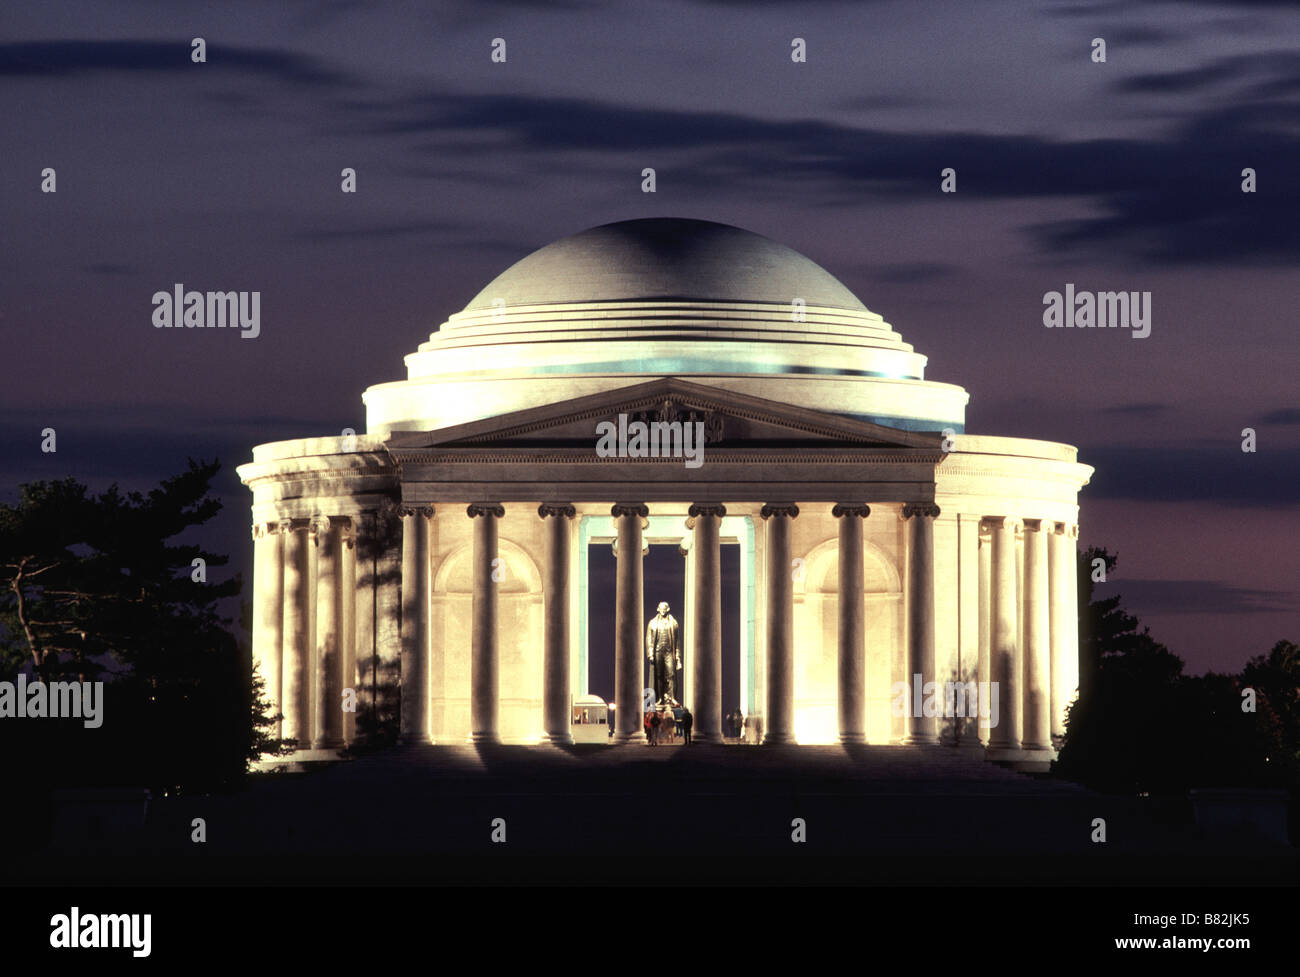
<point>735,724</point>
<point>664,724</point>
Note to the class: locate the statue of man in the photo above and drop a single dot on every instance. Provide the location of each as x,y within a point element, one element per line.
<point>664,652</point>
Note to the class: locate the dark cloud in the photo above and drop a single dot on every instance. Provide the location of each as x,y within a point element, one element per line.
<point>1194,472</point>
<point>1165,199</point>
<point>63,59</point>
<point>1196,597</point>
<point>1283,415</point>
<point>1276,74</point>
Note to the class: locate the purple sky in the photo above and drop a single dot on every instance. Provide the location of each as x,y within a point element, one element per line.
<point>1115,176</point>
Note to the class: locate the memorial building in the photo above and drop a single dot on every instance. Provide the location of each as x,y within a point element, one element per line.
<point>668,381</point>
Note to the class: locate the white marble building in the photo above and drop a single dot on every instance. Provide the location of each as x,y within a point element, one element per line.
<point>437,564</point>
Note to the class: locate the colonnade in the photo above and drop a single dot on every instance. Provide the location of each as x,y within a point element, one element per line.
<point>1027,646</point>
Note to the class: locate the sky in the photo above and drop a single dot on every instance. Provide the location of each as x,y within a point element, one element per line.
<point>1122,175</point>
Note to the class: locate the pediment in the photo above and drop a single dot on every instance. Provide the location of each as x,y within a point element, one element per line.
<point>730,420</point>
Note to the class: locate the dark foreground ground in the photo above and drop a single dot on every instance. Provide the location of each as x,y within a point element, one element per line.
<point>665,815</point>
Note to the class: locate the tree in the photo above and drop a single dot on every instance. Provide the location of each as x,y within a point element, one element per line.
<point>110,584</point>
<point>1140,725</point>
<point>1275,678</point>
<point>1124,722</point>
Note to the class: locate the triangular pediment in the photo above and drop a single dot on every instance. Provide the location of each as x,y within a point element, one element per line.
<point>730,419</point>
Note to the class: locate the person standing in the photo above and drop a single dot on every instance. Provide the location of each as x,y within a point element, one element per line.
<point>687,722</point>
<point>654,728</point>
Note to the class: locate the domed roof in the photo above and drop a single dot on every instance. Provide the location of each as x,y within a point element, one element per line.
<point>618,304</point>
<point>665,258</point>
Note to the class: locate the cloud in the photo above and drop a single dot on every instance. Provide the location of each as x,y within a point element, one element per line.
<point>1218,472</point>
<point>1279,72</point>
<point>1167,199</point>
<point>64,59</point>
<point>1283,415</point>
<point>1196,597</point>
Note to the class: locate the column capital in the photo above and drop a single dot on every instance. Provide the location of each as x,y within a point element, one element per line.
<point>859,509</point>
<point>557,509</point>
<point>779,509</point>
<point>272,528</point>
<point>924,509</point>
<point>405,509</point>
<point>630,509</point>
<point>1069,529</point>
<point>486,509</point>
<point>318,526</point>
<point>991,523</point>
<point>706,509</point>
<point>1037,525</point>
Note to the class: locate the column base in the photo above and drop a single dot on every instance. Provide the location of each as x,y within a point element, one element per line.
<point>414,739</point>
<point>557,739</point>
<point>706,739</point>
<point>479,739</point>
<point>779,739</point>
<point>920,739</point>
<point>629,739</point>
<point>852,739</point>
<point>332,743</point>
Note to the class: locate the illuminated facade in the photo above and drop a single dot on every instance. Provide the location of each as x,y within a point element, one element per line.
<point>437,564</point>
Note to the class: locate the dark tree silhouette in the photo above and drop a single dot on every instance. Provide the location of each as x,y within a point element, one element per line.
<point>1140,725</point>
<point>109,587</point>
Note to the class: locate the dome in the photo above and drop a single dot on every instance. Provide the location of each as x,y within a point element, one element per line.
<point>622,303</point>
<point>665,258</point>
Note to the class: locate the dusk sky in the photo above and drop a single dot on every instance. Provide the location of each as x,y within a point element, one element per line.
<point>1123,175</point>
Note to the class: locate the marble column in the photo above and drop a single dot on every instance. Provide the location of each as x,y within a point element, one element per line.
<point>983,669</point>
<point>414,710</point>
<point>268,610</point>
<point>852,623</point>
<point>780,623</point>
<point>296,699</point>
<point>348,627</point>
<point>688,614</point>
<point>555,638</point>
<point>629,611</point>
<point>706,623</point>
<point>1036,677</point>
<point>1063,573</point>
<point>1004,651</point>
<point>922,730</point>
<point>484,664</point>
<point>327,538</point>
<point>361,724</point>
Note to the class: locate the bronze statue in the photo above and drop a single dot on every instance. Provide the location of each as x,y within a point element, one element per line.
<point>663,650</point>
